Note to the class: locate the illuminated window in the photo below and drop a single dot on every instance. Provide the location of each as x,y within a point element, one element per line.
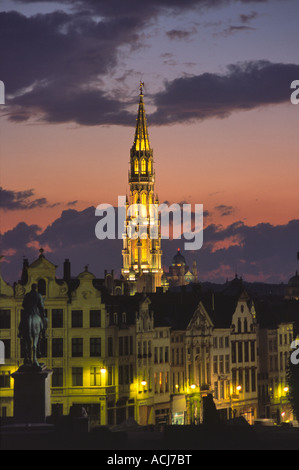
<point>95,376</point>
<point>149,166</point>
<point>136,166</point>
<point>143,166</point>
<point>144,251</point>
<point>143,198</point>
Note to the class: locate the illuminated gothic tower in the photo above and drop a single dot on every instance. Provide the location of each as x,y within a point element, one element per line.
<point>141,249</point>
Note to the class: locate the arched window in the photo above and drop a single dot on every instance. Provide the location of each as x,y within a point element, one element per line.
<point>41,286</point>
<point>149,167</point>
<point>143,166</point>
<point>143,198</point>
<point>136,166</point>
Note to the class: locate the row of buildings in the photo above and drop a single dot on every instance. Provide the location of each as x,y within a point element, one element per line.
<point>151,344</point>
<point>153,356</point>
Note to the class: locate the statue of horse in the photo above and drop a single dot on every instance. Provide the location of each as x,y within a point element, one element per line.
<point>32,326</point>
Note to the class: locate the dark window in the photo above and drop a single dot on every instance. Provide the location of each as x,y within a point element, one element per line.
<point>4,318</point>
<point>240,351</point>
<point>126,346</point>
<point>77,376</point>
<point>4,379</point>
<point>246,380</point>
<point>57,318</point>
<point>120,346</point>
<point>252,349</point>
<point>77,347</point>
<point>57,347</point>
<point>110,346</point>
<point>166,354</point>
<point>121,375</point>
<point>131,372</point>
<point>246,351</point>
<point>43,347</point>
<point>234,351</point>
<point>57,377</point>
<point>95,318</point>
<point>6,343</point>
<point>95,347</point>
<point>41,286</point>
<point>131,345</point>
<point>253,380</point>
<point>77,318</point>
<point>110,376</point>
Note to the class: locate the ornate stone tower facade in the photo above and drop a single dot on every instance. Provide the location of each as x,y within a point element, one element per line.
<point>142,238</point>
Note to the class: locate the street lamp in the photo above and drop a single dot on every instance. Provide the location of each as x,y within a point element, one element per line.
<point>143,382</point>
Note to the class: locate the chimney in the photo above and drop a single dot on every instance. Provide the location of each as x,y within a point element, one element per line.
<point>67,270</point>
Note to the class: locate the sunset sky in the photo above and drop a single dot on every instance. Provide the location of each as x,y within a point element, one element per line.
<point>217,77</point>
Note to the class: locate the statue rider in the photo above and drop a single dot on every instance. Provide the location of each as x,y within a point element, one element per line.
<point>33,303</point>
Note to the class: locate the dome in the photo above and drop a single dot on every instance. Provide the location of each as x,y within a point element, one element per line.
<point>294,281</point>
<point>179,259</point>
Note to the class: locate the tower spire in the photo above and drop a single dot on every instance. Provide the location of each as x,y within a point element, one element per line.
<point>141,140</point>
<point>142,249</point>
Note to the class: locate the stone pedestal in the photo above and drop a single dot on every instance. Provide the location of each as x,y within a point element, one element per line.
<point>31,394</point>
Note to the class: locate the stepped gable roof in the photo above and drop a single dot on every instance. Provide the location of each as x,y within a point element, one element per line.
<point>220,308</point>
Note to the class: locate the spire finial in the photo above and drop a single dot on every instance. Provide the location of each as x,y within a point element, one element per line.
<point>141,88</point>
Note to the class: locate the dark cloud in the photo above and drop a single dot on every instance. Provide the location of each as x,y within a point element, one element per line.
<point>19,237</point>
<point>118,8</point>
<point>244,86</point>
<point>249,17</point>
<point>54,66</point>
<point>265,251</point>
<point>234,29</point>
<point>178,34</point>
<point>225,210</point>
<point>59,49</point>
<point>19,200</point>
